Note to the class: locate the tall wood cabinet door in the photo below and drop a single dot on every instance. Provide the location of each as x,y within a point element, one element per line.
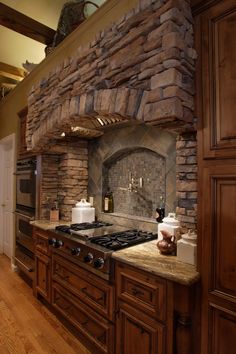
<point>135,335</point>
<point>218,48</point>
<point>43,275</point>
<point>223,335</point>
<point>219,258</point>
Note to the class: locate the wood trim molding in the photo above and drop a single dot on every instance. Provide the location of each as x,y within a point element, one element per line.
<point>199,6</point>
<point>12,72</point>
<point>23,112</point>
<point>25,25</point>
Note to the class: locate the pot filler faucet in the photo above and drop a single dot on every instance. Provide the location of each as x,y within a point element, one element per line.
<point>134,184</point>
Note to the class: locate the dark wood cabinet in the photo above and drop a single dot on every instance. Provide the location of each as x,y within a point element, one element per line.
<point>86,300</point>
<point>133,312</point>
<point>218,258</point>
<point>154,315</point>
<point>141,302</point>
<point>223,323</point>
<point>90,289</point>
<point>42,275</point>
<point>144,291</point>
<point>137,333</point>
<point>96,329</point>
<point>216,105</point>
<point>42,283</point>
<point>219,79</point>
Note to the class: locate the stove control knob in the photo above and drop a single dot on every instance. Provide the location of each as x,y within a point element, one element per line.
<point>88,258</point>
<point>58,244</point>
<point>52,241</point>
<point>75,251</point>
<point>99,263</point>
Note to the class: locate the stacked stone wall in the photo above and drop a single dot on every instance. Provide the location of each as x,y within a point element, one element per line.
<point>186,180</point>
<point>140,68</point>
<point>64,178</point>
<point>73,178</point>
<point>48,184</point>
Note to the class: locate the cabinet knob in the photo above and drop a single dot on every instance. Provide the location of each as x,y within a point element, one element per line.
<point>137,292</point>
<point>55,243</point>
<point>99,263</point>
<point>88,258</point>
<point>75,251</point>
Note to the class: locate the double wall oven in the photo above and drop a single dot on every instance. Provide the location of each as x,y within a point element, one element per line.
<point>25,212</point>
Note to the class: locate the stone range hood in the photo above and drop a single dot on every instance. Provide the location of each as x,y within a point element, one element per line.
<point>138,70</point>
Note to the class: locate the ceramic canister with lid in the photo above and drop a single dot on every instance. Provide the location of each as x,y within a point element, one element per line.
<point>83,212</point>
<point>187,248</point>
<point>171,225</point>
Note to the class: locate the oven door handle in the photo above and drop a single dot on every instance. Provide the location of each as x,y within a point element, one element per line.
<point>20,233</point>
<point>28,172</point>
<point>23,265</point>
<point>31,218</point>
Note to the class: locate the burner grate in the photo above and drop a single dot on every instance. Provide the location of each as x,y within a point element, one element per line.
<point>88,225</point>
<point>63,228</point>
<point>81,226</point>
<point>124,239</point>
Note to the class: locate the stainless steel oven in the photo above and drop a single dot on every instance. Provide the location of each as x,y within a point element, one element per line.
<point>24,235</point>
<point>26,183</point>
<point>25,212</point>
<point>24,252</point>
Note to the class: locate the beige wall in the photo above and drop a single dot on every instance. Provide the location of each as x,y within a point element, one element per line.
<point>111,11</point>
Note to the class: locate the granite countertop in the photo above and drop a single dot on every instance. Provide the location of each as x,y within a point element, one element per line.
<point>146,256</point>
<point>46,224</point>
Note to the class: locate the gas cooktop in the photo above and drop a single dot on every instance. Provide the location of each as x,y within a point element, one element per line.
<point>90,245</point>
<point>109,237</point>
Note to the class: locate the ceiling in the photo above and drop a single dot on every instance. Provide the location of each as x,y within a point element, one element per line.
<point>20,21</point>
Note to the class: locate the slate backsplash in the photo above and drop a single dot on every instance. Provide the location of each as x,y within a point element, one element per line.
<point>134,152</point>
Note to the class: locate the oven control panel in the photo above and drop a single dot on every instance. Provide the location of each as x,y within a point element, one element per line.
<point>89,258</point>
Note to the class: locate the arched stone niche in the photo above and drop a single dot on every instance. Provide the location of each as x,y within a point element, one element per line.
<point>136,177</point>
<point>138,151</point>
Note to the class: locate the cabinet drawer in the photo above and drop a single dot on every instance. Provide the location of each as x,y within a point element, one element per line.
<point>41,241</point>
<point>99,331</point>
<point>89,288</point>
<point>142,290</point>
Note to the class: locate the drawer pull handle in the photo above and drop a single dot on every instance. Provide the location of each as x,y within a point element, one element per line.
<point>100,298</point>
<point>84,290</point>
<point>66,308</point>
<point>100,338</point>
<point>137,292</point>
